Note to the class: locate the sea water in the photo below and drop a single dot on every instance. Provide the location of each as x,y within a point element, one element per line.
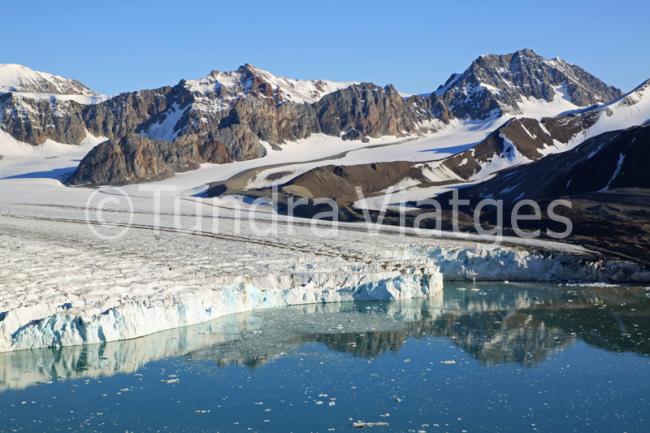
<point>478,358</point>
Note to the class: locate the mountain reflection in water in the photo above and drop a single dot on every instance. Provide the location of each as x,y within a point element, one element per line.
<point>495,323</point>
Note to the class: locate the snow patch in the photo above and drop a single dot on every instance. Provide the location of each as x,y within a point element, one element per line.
<point>165,130</point>
<point>539,108</point>
<point>617,171</point>
<point>509,157</point>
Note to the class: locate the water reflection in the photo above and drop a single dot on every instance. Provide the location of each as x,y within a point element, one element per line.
<point>494,323</point>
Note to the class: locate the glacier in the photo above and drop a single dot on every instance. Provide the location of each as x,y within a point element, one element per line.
<point>499,263</point>
<point>71,324</point>
<point>101,291</point>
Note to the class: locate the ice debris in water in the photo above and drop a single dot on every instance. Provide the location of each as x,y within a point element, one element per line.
<point>364,424</point>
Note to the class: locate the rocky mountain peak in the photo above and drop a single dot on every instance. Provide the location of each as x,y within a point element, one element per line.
<point>19,78</point>
<point>506,83</point>
<point>249,80</point>
<point>249,69</point>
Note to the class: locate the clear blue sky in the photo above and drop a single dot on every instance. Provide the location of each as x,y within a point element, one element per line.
<point>117,45</point>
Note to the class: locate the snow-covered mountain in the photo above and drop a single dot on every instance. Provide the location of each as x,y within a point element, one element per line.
<point>19,78</point>
<point>231,116</point>
<point>175,130</point>
<point>251,80</point>
<point>38,107</point>
<point>519,83</point>
<point>517,142</point>
<point>523,140</point>
<point>195,106</point>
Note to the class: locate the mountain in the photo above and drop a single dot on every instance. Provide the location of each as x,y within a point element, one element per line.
<point>18,78</point>
<point>523,140</point>
<point>616,159</point>
<point>499,84</point>
<point>251,80</point>
<point>240,109</point>
<point>227,129</point>
<point>340,182</point>
<point>228,116</point>
<point>517,143</point>
<point>135,158</point>
<point>38,106</point>
<point>165,113</point>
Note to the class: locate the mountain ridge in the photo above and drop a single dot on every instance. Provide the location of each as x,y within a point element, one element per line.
<point>228,115</point>
<point>519,142</point>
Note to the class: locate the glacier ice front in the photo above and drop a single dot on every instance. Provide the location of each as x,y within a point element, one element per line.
<point>500,263</point>
<point>97,318</point>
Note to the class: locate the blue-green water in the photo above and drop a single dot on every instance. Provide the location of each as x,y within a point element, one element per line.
<point>479,358</point>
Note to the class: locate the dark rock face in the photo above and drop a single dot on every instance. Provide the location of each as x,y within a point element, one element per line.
<point>604,178</point>
<point>271,122</point>
<point>132,112</point>
<point>524,136</point>
<point>235,143</point>
<point>34,121</point>
<point>497,83</point>
<point>234,134</point>
<point>133,158</point>
<point>369,109</point>
<point>340,182</point>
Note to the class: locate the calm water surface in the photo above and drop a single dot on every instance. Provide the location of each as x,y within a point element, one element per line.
<point>478,358</point>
